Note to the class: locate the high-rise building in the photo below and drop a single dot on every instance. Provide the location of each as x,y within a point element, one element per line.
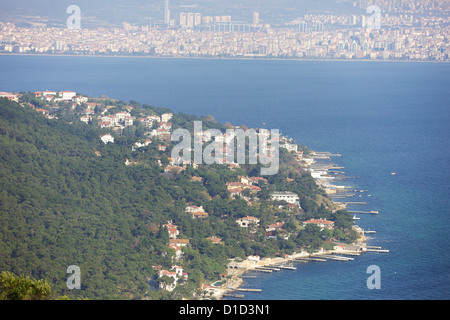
<point>319,26</point>
<point>197,19</point>
<point>303,26</point>
<point>190,20</point>
<point>255,18</point>
<point>183,20</point>
<point>167,13</point>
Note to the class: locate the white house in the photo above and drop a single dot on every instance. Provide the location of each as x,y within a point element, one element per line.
<point>245,222</point>
<point>166,117</point>
<point>254,259</point>
<point>287,196</point>
<point>67,95</point>
<point>107,138</point>
<point>189,209</point>
<point>176,273</point>
<point>289,147</point>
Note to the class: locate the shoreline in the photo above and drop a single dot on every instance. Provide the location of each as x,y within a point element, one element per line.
<point>219,58</point>
<point>355,249</point>
<point>237,280</point>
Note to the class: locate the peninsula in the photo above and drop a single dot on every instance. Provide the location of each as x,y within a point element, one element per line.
<point>93,182</point>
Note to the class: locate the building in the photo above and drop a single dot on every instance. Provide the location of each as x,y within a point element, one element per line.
<point>255,18</point>
<point>245,222</point>
<point>172,230</point>
<point>179,242</point>
<point>214,240</point>
<point>287,196</point>
<point>290,147</point>
<point>183,19</point>
<point>166,117</point>
<point>197,19</point>
<point>178,251</point>
<point>321,223</point>
<point>176,273</point>
<point>67,95</point>
<point>9,95</point>
<point>107,138</point>
<point>167,13</point>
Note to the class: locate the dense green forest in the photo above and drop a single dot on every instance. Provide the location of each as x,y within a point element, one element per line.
<point>62,205</point>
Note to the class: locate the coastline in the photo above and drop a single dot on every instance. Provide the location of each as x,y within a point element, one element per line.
<point>237,281</point>
<point>218,58</point>
<point>238,270</point>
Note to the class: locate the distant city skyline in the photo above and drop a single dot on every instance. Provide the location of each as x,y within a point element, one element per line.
<point>138,12</point>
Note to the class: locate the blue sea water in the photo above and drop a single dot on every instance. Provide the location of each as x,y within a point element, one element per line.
<point>381,117</point>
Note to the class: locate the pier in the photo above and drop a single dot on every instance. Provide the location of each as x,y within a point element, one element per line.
<point>376,249</point>
<point>358,203</point>
<point>233,295</point>
<point>368,212</point>
<point>310,259</point>
<point>268,268</point>
<point>262,270</point>
<point>337,258</point>
<point>249,290</point>
<point>287,267</point>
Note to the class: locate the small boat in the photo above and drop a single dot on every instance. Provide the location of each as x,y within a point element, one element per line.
<point>393,173</point>
<point>355,217</point>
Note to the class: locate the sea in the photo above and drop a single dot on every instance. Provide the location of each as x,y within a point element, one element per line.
<point>381,117</point>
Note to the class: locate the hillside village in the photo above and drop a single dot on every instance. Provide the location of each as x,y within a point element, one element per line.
<point>114,118</point>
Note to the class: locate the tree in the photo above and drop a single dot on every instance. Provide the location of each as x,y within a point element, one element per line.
<point>23,288</point>
<point>310,237</point>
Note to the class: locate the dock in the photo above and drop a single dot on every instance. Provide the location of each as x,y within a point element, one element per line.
<point>287,267</point>
<point>248,290</point>
<point>268,268</point>
<point>368,212</point>
<point>358,203</point>
<point>338,258</point>
<point>233,295</point>
<point>318,259</point>
<point>378,250</point>
<point>348,253</point>
<point>262,270</point>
